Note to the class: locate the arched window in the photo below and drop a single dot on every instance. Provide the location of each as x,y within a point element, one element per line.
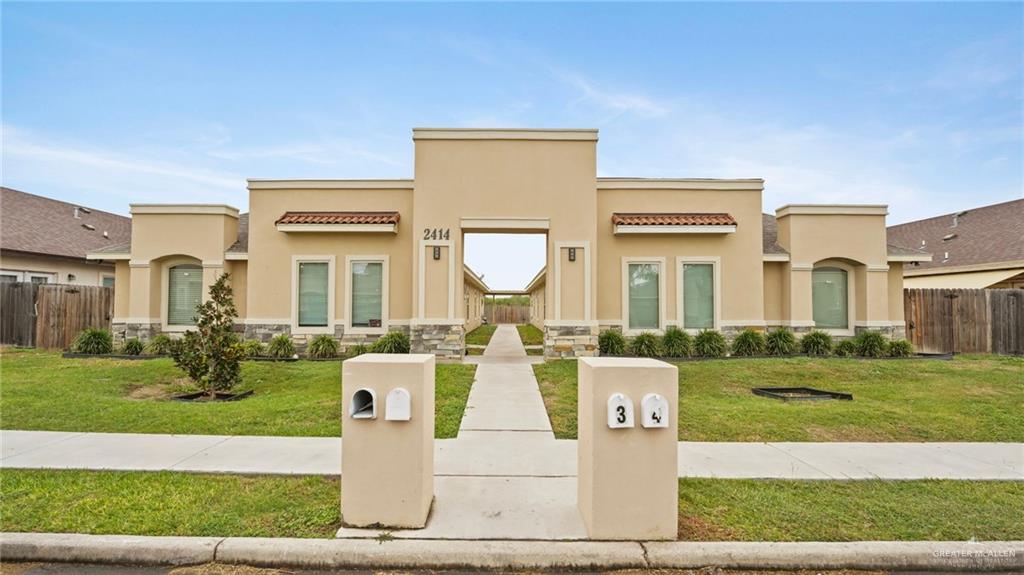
<point>830,297</point>
<point>184,293</point>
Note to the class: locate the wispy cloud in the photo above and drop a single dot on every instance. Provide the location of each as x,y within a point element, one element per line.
<point>130,176</point>
<point>615,101</point>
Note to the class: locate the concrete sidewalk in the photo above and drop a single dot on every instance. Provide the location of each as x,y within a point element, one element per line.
<point>523,454</point>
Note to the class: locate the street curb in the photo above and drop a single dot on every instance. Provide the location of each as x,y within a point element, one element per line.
<point>947,556</point>
<point>955,556</point>
<point>431,554</point>
<point>126,549</point>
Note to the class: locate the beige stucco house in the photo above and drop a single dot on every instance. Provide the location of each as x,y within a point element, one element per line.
<point>356,258</point>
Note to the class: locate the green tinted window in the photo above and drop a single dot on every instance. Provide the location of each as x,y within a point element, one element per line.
<point>829,295</point>
<point>698,296</point>
<point>313,286</point>
<point>184,293</point>
<point>643,296</point>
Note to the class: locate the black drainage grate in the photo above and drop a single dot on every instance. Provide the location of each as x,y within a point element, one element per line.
<point>800,394</point>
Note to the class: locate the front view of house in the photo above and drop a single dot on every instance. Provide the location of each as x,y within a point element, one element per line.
<point>357,258</point>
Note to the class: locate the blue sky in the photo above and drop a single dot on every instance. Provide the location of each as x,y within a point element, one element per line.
<point>915,105</point>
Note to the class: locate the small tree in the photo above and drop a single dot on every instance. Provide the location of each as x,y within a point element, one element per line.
<point>211,355</point>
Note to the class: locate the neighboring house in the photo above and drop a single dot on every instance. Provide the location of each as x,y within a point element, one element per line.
<point>357,258</point>
<point>977,248</point>
<point>45,241</point>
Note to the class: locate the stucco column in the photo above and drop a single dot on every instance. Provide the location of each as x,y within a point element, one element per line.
<point>211,271</point>
<point>801,306</point>
<point>876,313</point>
<point>139,304</point>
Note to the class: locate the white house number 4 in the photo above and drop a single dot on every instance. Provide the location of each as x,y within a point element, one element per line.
<point>437,233</point>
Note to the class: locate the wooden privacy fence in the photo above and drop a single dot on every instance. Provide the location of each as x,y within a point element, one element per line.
<point>965,320</point>
<point>51,315</point>
<point>501,313</point>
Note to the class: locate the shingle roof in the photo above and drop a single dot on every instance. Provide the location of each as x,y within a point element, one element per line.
<point>985,235</point>
<point>673,219</point>
<point>38,225</point>
<point>770,236</point>
<point>241,245</point>
<point>343,218</point>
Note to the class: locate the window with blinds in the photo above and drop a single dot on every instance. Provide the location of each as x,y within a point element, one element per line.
<point>643,296</point>
<point>698,296</point>
<point>367,293</point>
<point>313,293</point>
<point>829,297</point>
<point>184,293</point>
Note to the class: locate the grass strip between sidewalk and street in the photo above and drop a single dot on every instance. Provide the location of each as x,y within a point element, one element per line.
<point>43,391</point>
<point>871,510</point>
<point>970,398</point>
<point>174,503</point>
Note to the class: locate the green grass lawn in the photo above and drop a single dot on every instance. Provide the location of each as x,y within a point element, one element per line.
<point>977,398</point>
<point>173,503</point>
<point>42,391</point>
<point>787,510</point>
<point>481,335</point>
<point>169,503</point>
<point>530,335</point>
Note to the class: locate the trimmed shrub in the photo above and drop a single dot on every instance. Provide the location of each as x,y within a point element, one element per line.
<point>161,344</point>
<point>94,341</point>
<point>358,349</point>
<point>845,348</point>
<point>281,347</point>
<point>748,342</point>
<point>323,346</point>
<point>391,342</point>
<point>816,342</point>
<point>677,343</point>
<point>871,344</point>
<point>611,342</point>
<point>709,343</point>
<point>645,345</point>
<point>780,341</point>
<point>133,347</point>
<point>253,348</point>
<point>901,348</point>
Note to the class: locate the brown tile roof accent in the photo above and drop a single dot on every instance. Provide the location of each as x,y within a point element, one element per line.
<point>348,218</point>
<point>37,225</point>
<point>677,219</point>
<point>985,235</point>
<point>770,236</point>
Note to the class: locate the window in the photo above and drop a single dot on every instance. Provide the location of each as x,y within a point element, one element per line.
<point>40,279</point>
<point>184,293</point>
<point>643,303</point>
<point>367,294</point>
<point>8,278</point>
<point>314,285</point>
<point>829,293</point>
<point>698,296</point>
<point>108,281</point>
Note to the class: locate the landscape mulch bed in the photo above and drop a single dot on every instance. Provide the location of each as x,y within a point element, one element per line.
<point>70,355</point>
<point>201,396</point>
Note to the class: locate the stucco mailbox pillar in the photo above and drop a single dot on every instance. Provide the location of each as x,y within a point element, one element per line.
<point>387,460</point>
<point>627,449</point>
